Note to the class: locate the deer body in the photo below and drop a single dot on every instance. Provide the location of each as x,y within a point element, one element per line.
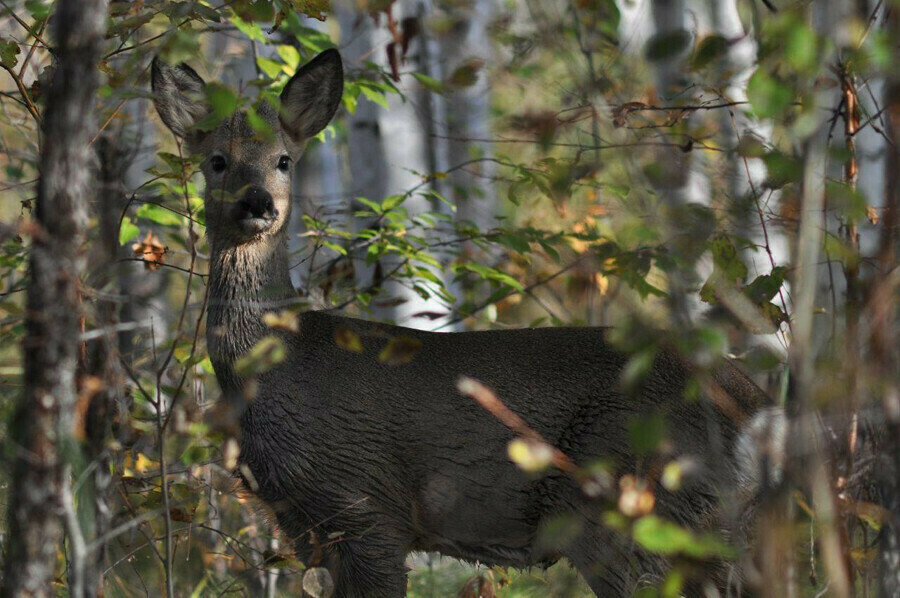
<point>377,460</point>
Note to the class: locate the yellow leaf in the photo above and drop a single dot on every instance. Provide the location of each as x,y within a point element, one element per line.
<point>284,320</point>
<point>400,350</point>
<point>530,455</point>
<point>348,340</point>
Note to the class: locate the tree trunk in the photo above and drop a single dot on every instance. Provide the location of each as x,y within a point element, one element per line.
<point>389,148</point>
<point>43,431</point>
<point>884,342</point>
<point>745,176</point>
<point>100,379</point>
<point>807,447</point>
<point>466,44</point>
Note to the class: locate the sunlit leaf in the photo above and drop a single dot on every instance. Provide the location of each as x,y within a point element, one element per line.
<point>128,231</point>
<point>267,353</point>
<point>347,339</point>
<point>530,455</point>
<point>400,350</point>
<point>158,214</point>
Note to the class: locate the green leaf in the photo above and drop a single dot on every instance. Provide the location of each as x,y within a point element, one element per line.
<point>265,355</point>
<point>392,201</point>
<point>372,205</point>
<point>847,201</point>
<point>179,46</point>
<point>223,101</point>
<point>765,287</point>
<point>768,96</point>
<point>667,45</point>
<point>710,49</point>
<point>271,68</point>
<point>466,75</point>
<point>782,169</point>
<point>751,146</point>
<point>646,433</point>
<point>620,191</point>
<point>159,215</point>
<point>8,52</point>
<point>251,30</point>
<point>488,273</point>
<point>728,269</point>
<point>374,95</point>
<point>801,47</point>
<point>196,454</point>
<point>38,9</point>
<point>259,125</point>
<point>669,539</point>
<point>335,247</point>
<point>430,83</point>
<point>127,231</point>
<point>290,56</point>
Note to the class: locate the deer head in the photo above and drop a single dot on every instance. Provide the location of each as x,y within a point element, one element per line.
<point>248,175</point>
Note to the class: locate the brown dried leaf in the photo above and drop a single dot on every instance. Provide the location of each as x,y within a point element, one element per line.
<point>151,250</point>
<point>180,515</point>
<point>872,214</point>
<point>620,113</point>
<point>88,388</point>
<point>393,62</point>
<point>481,586</point>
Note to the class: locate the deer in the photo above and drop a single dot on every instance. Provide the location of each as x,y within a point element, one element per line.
<point>361,461</point>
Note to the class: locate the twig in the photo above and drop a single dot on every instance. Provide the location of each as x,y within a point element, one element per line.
<point>76,539</point>
<point>487,399</point>
<point>32,109</point>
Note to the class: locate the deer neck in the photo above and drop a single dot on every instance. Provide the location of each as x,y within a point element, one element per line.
<point>246,281</point>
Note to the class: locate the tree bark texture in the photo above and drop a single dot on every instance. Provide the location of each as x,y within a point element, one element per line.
<point>42,432</point>
<point>884,348</point>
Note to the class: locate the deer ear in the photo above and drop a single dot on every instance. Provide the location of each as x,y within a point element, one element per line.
<point>178,96</point>
<point>312,96</point>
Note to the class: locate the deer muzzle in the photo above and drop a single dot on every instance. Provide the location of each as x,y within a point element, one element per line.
<point>255,211</point>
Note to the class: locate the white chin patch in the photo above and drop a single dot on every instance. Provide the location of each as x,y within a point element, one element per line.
<point>256,225</point>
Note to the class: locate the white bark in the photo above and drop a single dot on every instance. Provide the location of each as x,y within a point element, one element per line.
<point>390,149</point>
<point>755,206</point>
<point>468,114</point>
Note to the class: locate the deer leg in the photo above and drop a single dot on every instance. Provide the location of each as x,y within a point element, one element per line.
<point>611,564</point>
<point>369,566</point>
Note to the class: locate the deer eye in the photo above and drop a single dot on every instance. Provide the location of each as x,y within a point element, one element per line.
<point>218,163</point>
<point>284,162</point>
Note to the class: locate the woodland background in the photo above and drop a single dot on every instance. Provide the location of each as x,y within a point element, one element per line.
<point>715,176</point>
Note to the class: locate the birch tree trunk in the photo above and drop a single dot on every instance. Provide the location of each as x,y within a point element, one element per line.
<point>102,378</point>
<point>388,148</point>
<point>806,443</point>
<point>43,431</point>
<point>466,44</point>
<point>675,166</point>
<point>745,176</point>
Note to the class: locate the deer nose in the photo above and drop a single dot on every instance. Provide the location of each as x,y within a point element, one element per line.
<point>257,203</point>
